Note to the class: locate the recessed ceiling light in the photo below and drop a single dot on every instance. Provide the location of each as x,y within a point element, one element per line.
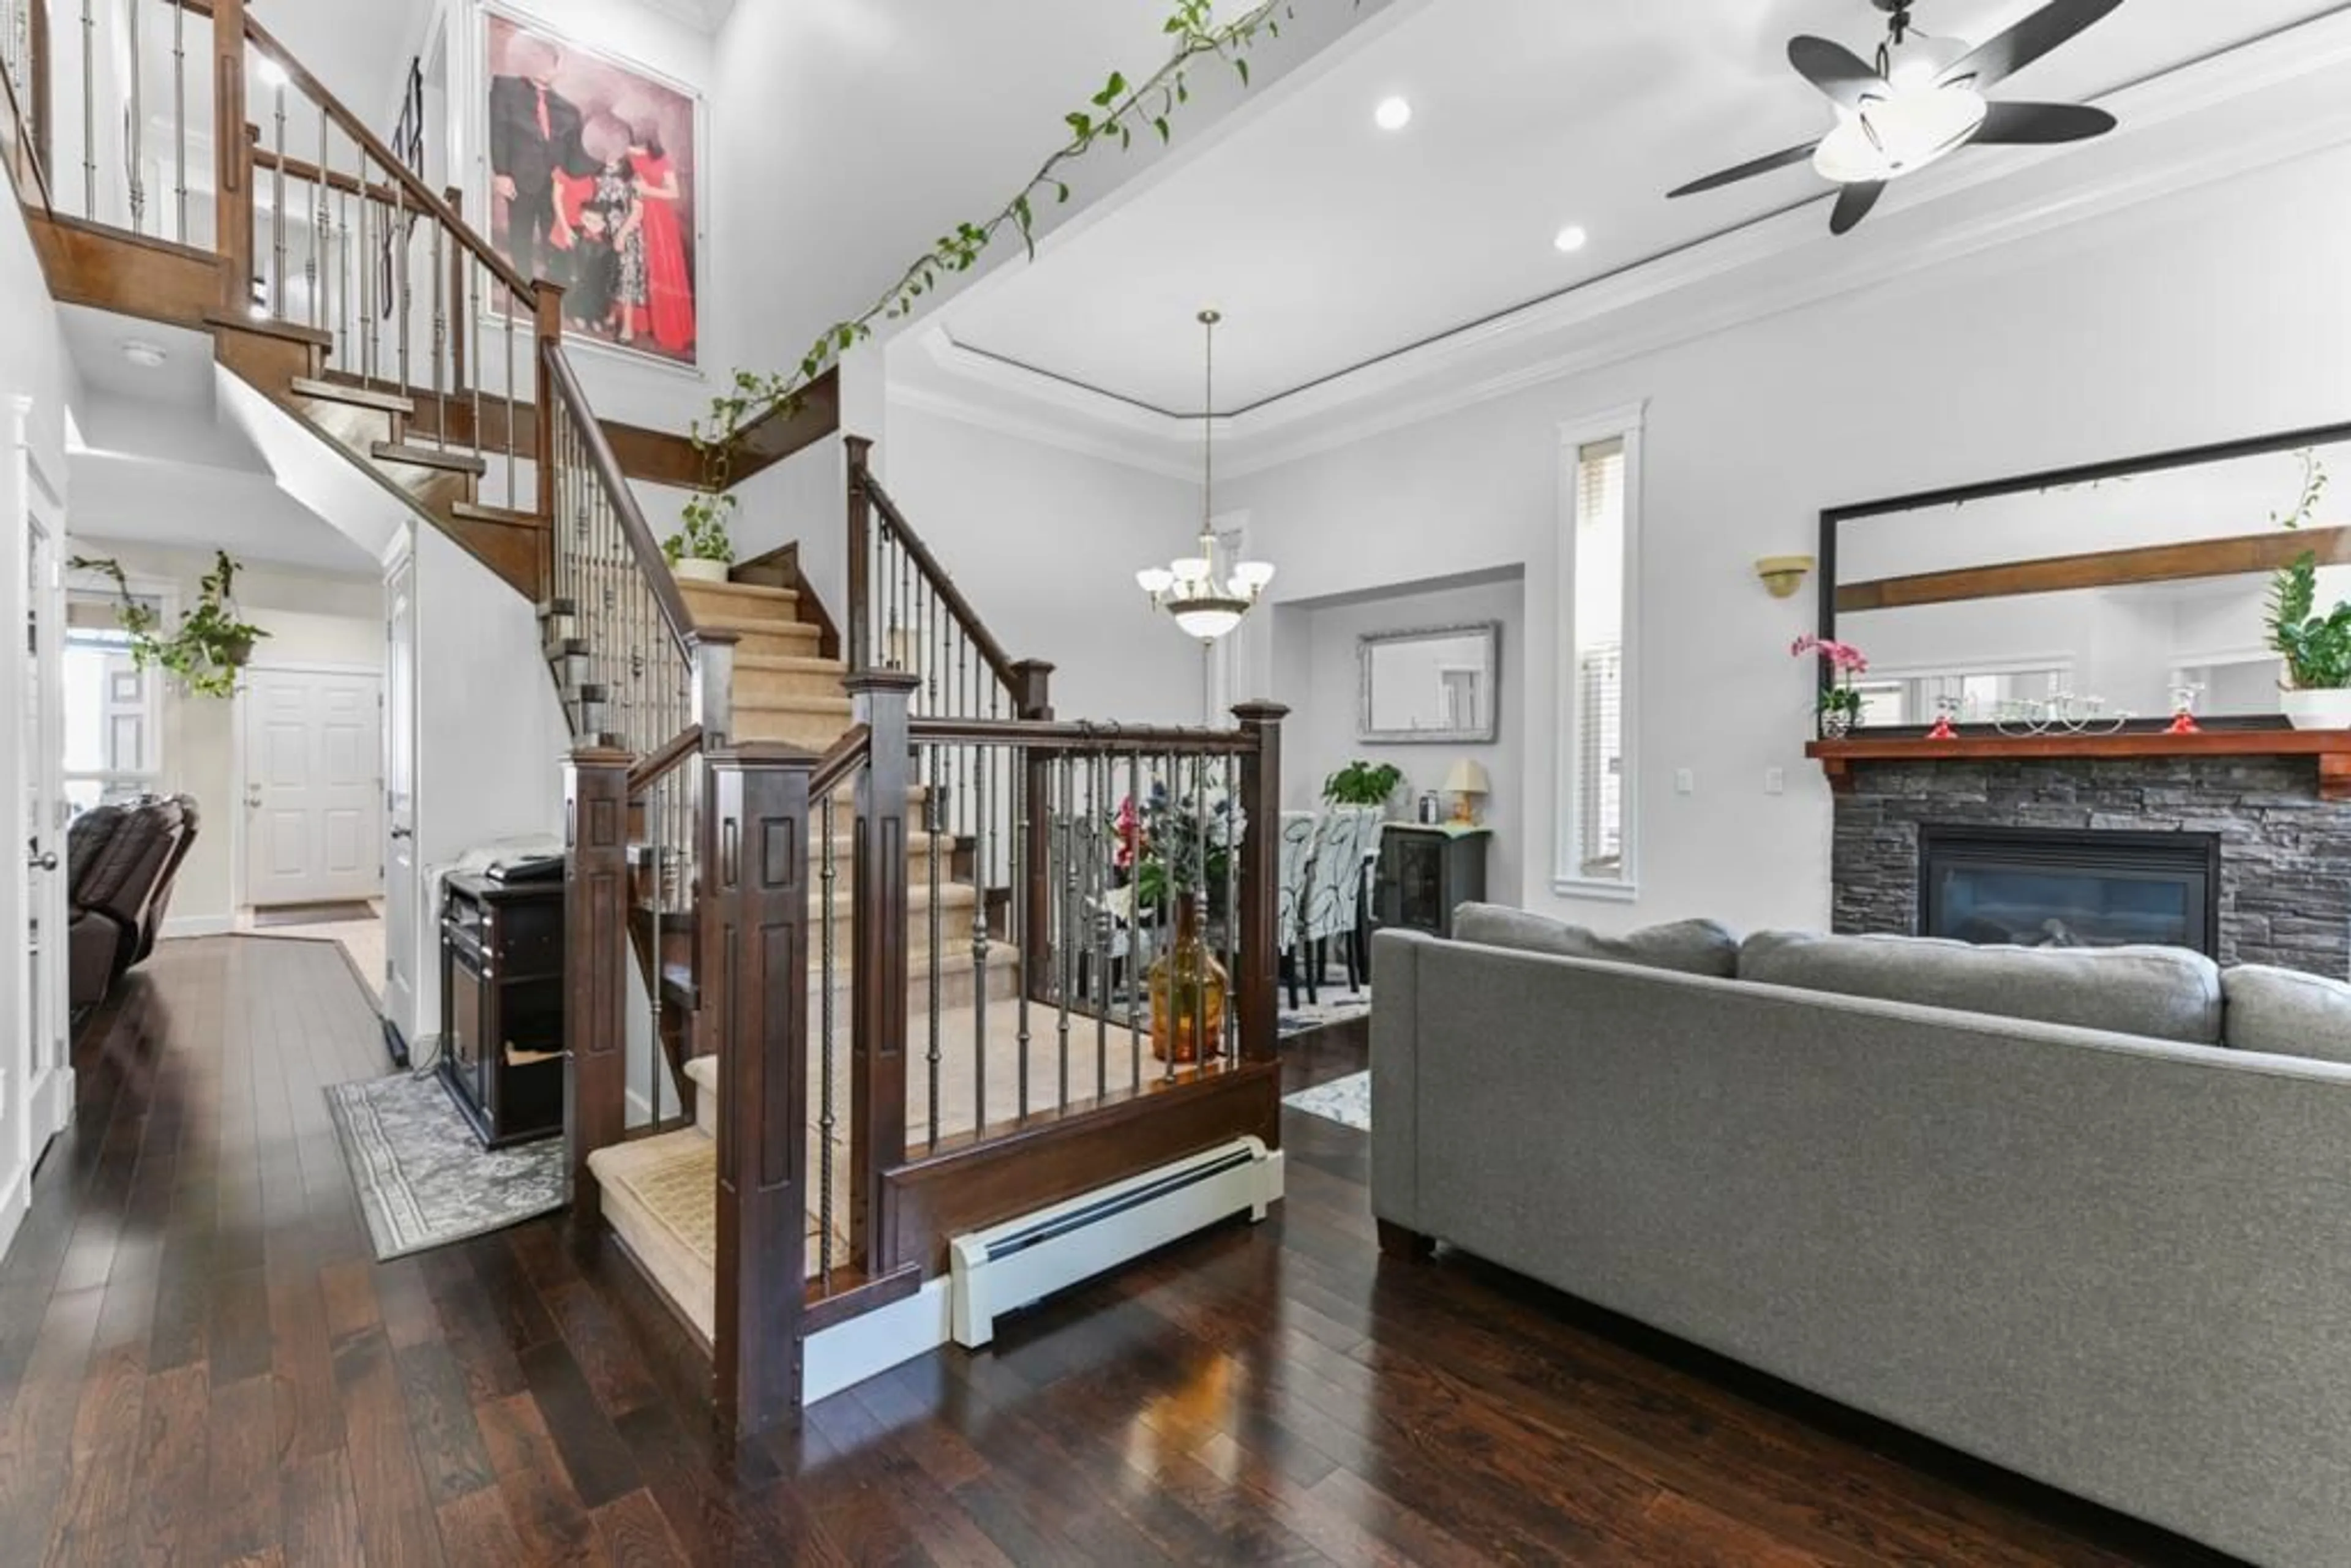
<point>1571,239</point>
<point>147,356</point>
<point>1393,114</point>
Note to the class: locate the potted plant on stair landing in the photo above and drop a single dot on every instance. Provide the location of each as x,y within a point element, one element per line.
<point>700,551</point>
<point>2316,648</point>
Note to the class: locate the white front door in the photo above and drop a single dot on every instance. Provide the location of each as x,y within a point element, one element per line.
<point>400,892</point>
<point>312,774</point>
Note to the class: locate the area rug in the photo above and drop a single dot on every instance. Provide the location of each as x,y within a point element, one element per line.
<point>311,914</point>
<point>1342,1007</point>
<point>1346,1101</point>
<point>424,1179</point>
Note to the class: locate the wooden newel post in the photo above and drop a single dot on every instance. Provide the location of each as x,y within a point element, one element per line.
<point>233,161</point>
<point>861,555</point>
<point>595,961</point>
<point>1260,874</point>
<point>878,905</point>
<point>754,855</point>
<point>1032,700</point>
<point>1032,691</point>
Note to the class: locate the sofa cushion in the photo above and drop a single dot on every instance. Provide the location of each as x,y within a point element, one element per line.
<point>2286,1012</point>
<point>1687,946</point>
<point>2163,993</point>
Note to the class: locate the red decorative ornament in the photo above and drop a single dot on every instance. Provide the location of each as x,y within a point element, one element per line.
<point>2184,723</point>
<point>1943,730</point>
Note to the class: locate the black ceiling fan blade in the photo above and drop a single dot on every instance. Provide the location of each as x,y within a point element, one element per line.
<point>1853,205</point>
<point>1846,76</point>
<point>1747,171</point>
<point>2042,124</point>
<point>2026,41</point>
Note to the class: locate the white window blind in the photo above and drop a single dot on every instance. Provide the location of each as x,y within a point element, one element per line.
<point>1600,527</point>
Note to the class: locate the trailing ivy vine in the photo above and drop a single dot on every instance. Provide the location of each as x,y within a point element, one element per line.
<point>1119,112</point>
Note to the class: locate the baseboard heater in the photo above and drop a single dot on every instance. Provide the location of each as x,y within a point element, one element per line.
<point>998,1271</point>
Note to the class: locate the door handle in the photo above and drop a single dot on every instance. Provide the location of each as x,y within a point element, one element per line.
<point>253,798</point>
<point>46,859</point>
<point>404,833</point>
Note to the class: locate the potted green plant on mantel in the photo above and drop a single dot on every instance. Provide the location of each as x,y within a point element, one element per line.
<point>1362,783</point>
<point>212,645</point>
<point>700,551</point>
<point>2316,648</point>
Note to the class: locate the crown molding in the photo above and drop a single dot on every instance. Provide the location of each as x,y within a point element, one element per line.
<point>1439,376</point>
<point>1061,435</point>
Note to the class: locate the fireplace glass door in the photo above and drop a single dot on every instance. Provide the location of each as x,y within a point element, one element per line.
<point>2064,889</point>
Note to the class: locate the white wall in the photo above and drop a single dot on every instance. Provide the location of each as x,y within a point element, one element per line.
<point>1316,674</point>
<point>311,617</point>
<point>1045,544</point>
<point>491,736</point>
<point>2167,325</point>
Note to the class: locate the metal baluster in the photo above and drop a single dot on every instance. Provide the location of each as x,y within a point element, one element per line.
<point>472,306</point>
<point>363,262</point>
<point>1098,915</point>
<point>513,404</point>
<point>1063,826</point>
<point>1136,975</point>
<point>441,333</point>
<point>1164,947</point>
<point>980,955</point>
<point>1233,862</point>
<point>938,931</point>
<point>345,264</point>
<point>321,223</point>
<point>180,116</point>
<point>88,112</point>
<point>1200,1043</point>
<point>277,310</point>
<point>828,1118</point>
<point>137,152</point>
<point>1021,848</point>
<point>399,247</point>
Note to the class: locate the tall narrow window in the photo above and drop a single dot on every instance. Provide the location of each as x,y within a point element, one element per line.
<point>1600,500</point>
<point>113,729</point>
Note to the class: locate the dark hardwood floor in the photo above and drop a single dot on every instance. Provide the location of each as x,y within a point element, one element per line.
<point>200,1363</point>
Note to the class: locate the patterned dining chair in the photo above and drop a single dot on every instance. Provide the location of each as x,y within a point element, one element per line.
<point>1297,863</point>
<point>1347,836</point>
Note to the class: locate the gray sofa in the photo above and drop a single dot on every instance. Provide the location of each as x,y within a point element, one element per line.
<point>2116,1264</point>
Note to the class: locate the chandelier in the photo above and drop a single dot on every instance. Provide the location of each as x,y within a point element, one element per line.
<point>1205,604</point>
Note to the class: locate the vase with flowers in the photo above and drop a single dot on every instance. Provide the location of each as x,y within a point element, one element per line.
<point>1175,849</point>
<point>1840,699</point>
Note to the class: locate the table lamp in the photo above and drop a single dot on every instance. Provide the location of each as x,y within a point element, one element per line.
<point>1466,784</point>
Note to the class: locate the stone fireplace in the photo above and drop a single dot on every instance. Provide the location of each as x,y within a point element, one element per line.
<point>2240,856</point>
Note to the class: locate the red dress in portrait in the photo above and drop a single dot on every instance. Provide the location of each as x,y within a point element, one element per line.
<point>669,314</point>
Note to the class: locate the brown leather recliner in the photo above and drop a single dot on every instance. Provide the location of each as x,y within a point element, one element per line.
<point>160,901</point>
<point>113,897</point>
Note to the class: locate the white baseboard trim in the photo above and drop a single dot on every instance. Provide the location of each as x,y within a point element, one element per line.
<point>15,1202</point>
<point>179,925</point>
<point>868,1346</point>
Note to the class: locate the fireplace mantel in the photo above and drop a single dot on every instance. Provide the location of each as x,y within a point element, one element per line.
<point>2331,747</point>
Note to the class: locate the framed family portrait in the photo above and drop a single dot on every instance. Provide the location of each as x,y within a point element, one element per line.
<point>594,182</point>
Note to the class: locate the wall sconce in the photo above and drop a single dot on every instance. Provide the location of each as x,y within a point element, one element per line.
<point>1784,574</point>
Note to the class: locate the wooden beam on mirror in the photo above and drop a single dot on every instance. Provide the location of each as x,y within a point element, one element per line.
<point>2240,556</point>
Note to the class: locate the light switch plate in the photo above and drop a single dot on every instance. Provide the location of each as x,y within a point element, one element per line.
<point>1685,781</point>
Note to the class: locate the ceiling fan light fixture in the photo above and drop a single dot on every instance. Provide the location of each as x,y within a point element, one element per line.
<point>1889,136</point>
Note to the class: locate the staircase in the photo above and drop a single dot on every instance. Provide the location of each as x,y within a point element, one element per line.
<point>875,899</point>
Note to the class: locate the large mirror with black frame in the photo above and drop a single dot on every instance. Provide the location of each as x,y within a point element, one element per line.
<point>2104,596</point>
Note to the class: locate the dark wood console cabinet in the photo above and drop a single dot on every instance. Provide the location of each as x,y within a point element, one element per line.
<point>1426,872</point>
<point>502,1006</point>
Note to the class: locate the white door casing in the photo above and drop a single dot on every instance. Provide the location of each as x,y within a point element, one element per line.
<point>312,769</point>
<point>399,889</point>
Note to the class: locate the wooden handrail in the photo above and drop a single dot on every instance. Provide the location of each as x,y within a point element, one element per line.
<point>845,757</point>
<point>656,765</point>
<point>651,563</point>
<point>936,575</point>
<point>418,192</point>
<point>1079,736</point>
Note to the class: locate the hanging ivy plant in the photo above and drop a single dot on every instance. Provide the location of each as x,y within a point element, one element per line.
<point>1116,113</point>
<point>210,644</point>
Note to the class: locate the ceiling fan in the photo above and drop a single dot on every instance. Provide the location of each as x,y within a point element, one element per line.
<point>1918,105</point>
